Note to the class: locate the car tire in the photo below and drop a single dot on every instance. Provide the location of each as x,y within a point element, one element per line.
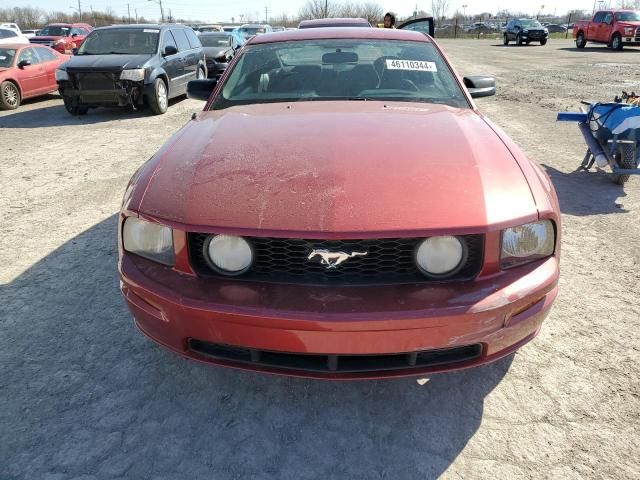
<point>505,41</point>
<point>200,75</point>
<point>543,42</point>
<point>518,40</point>
<point>616,42</point>
<point>580,40</point>
<point>159,102</point>
<point>625,158</point>
<point>74,109</point>
<point>9,96</point>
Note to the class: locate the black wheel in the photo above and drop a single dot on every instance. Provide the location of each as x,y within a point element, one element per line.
<point>528,42</point>
<point>518,40</point>
<point>505,41</point>
<point>616,42</point>
<point>580,40</point>
<point>543,42</point>
<point>9,96</point>
<point>74,109</point>
<point>625,158</point>
<point>159,102</point>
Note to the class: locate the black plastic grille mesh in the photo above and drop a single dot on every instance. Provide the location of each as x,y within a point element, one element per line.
<point>388,261</point>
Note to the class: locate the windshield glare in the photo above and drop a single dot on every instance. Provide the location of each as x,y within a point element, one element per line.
<point>221,40</point>
<point>628,17</point>
<point>121,41</point>
<point>346,69</point>
<point>530,23</point>
<point>52,31</point>
<point>6,57</point>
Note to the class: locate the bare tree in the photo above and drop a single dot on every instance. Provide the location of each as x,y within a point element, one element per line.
<point>630,4</point>
<point>318,9</point>
<point>439,9</point>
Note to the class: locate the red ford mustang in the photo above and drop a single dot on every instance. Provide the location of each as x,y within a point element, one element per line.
<point>340,209</point>
<point>27,71</point>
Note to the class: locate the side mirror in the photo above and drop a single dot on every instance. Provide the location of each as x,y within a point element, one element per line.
<point>200,89</point>
<point>24,63</point>
<point>480,85</point>
<point>74,51</point>
<point>74,35</point>
<point>169,50</point>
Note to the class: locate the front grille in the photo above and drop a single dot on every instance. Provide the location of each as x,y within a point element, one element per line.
<point>94,80</point>
<point>336,364</point>
<point>638,34</point>
<point>388,261</point>
<point>48,43</point>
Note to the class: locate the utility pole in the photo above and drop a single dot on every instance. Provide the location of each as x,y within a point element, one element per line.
<point>93,14</point>
<point>136,10</point>
<point>464,13</point>
<point>326,8</point>
<point>266,15</point>
<point>129,13</point>
<point>80,10</point>
<point>159,2</point>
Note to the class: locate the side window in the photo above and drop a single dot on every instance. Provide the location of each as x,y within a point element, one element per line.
<point>194,41</point>
<point>6,33</point>
<point>608,18</point>
<point>30,55</point>
<point>599,17</point>
<point>168,41</point>
<point>45,55</point>
<point>181,40</point>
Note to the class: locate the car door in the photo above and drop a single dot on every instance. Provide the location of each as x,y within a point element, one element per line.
<point>188,54</point>
<point>424,24</point>
<point>196,48</point>
<point>172,64</point>
<point>607,26</point>
<point>593,32</point>
<point>32,77</point>
<point>50,62</point>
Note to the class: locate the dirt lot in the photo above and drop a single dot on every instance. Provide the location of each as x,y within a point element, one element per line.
<point>84,395</point>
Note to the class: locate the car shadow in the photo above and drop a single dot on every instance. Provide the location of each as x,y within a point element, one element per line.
<point>57,115</point>
<point>584,192</point>
<point>600,49</point>
<point>84,391</point>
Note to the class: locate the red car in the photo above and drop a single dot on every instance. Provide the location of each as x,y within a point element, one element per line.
<point>27,71</point>
<point>340,209</point>
<point>63,37</point>
<point>615,28</point>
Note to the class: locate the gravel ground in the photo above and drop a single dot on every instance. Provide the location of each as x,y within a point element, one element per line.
<point>84,395</point>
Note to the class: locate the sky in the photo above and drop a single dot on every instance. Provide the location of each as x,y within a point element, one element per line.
<point>224,10</point>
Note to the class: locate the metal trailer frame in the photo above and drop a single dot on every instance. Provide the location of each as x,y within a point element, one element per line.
<point>599,152</point>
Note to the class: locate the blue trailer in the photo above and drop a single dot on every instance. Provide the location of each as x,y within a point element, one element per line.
<point>612,134</point>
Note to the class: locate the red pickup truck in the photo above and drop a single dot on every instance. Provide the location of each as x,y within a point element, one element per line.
<point>616,28</point>
<point>63,37</point>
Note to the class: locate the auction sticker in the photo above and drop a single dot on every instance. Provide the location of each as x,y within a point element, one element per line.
<point>414,65</point>
<point>150,30</point>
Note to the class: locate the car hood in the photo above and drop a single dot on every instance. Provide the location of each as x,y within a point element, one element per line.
<point>213,52</point>
<point>107,62</point>
<point>338,167</point>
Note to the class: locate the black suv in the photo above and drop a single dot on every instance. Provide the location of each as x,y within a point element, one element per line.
<point>525,30</point>
<point>131,65</point>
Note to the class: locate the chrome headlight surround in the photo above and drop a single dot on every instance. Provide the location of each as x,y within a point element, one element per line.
<point>149,240</point>
<point>527,243</point>
<point>429,254</point>
<point>234,256</point>
<point>133,74</point>
<point>61,75</point>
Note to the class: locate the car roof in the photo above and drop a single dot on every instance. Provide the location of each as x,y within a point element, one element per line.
<point>340,32</point>
<point>19,46</point>
<point>67,25</point>
<point>138,26</point>
<point>334,21</point>
<point>211,34</point>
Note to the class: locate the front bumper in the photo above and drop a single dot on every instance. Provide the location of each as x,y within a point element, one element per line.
<point>215,69</point>
<point>127,93</point>
<point>500,314</point>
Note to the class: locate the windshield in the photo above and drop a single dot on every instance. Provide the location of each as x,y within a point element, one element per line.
<point>251,31</point>
<point>221,40</point>
<point>55,31</point>
<point>628,17</point>
<point>345,69</point>
<point>526,22</point>
<point>125,41</point>
<point>6,57</point>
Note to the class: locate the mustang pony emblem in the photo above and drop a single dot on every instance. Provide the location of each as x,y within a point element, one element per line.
<point>333,259</point>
